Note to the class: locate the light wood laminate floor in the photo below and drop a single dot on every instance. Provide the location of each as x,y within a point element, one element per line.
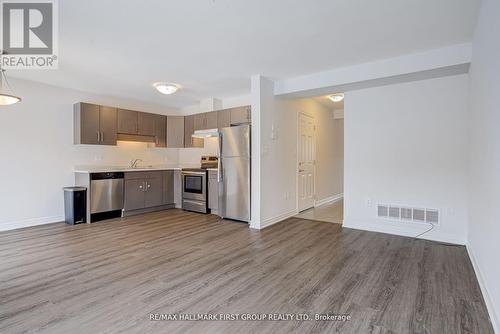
<point>110,276</point>
<point>331,213</point>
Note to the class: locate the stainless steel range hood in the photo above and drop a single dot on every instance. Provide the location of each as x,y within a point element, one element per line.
<point>205,133</point>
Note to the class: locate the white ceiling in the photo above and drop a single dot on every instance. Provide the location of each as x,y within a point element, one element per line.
<point>212,47</point>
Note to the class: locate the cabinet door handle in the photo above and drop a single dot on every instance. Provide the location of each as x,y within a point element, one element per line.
<point>148,185</point>
<point>98,136</point>
<point>102,136</point>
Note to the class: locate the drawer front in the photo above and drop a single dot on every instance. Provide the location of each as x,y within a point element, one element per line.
<point>196,206</point>
<point>142,175</point>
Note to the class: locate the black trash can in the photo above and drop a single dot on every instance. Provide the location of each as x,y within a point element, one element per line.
<point>75,205</point>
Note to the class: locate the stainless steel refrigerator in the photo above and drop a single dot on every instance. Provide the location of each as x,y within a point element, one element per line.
<point>234,173</point>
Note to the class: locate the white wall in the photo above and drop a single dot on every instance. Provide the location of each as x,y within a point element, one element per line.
<point>329,152</point>
<point>406,144</point>
<point>484,200</point>
<point>278,179</point>
<point>38,155</point>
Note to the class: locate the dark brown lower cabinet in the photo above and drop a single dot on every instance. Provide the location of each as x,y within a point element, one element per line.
<point>143,190</point>
<point>153,194</point>
<point>134,195</point>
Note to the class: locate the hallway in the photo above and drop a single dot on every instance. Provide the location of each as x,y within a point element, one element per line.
<point>330,212</point>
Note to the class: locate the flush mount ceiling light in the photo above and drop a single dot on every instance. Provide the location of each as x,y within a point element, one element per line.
<point>166,88</point>
<point>6,99</point>
<point>337,97</point>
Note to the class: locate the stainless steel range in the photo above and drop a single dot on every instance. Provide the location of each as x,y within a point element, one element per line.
<point>194,185</point>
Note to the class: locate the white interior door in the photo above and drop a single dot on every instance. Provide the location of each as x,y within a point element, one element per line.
<point>306,161</point>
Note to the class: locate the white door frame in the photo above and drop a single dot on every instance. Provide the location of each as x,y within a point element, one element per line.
<point>297,160</point>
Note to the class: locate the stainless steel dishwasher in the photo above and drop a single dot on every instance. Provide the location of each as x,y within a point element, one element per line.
<point>106,192</point>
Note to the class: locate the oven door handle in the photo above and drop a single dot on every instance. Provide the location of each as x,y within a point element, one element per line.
<point>194,173</point>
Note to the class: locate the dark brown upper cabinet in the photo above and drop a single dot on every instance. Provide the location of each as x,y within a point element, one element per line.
<point>175,131</point>
<point>100,125</point>
<point>200,121</point>
<point>132,122</point>
<point>160,131</point>
<point>188,130</point>
<point>136,123</point>
<point>211,120</point>
<point>240,115</point>
<point>146,124</point>
<point>127,121</point>
<point>94,124</point>
<point>107,125</point>
<point>206,120</point>
<point>224,118</point>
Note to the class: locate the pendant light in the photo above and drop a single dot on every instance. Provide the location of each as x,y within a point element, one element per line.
<point>6,99</point>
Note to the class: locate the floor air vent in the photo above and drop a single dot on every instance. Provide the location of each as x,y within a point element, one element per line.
<point>383,211</point>
<point>419,215</point>
<point>406,214</point>
<point>394,212</point>
<point>432,216</point>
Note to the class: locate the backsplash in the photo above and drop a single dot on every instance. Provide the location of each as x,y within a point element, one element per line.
<point>121,154</point>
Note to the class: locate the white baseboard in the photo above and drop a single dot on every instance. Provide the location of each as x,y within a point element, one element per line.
<point>486,296</point>
<point>6,226</point>
<point>276,219</point>
<point>330,199</point>
<point>403,229</point>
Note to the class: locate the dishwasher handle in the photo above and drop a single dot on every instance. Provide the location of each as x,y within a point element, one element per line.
<point>107,175</point>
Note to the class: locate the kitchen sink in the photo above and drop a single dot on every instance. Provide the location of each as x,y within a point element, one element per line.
<point>136,167</point>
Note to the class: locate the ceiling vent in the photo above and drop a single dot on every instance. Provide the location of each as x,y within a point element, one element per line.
<point>408,214</point>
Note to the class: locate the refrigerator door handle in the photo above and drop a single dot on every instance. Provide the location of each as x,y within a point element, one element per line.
<point>219,161</point>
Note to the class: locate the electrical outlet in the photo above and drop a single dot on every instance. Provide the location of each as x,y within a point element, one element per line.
<point>274,131</point>
<point>368,202</point>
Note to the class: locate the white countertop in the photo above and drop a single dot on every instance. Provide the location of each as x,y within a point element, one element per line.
<point>105,169</point>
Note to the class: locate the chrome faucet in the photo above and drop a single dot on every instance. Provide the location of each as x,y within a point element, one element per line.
<point>135,162</point>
